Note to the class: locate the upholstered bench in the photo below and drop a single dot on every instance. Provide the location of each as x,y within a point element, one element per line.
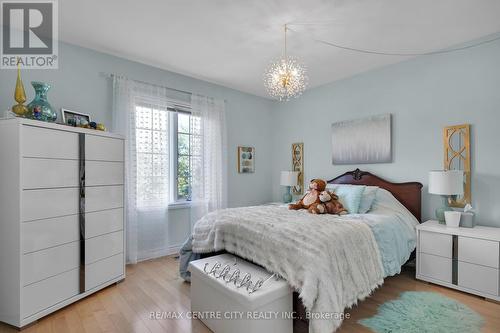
<point>225,301</point>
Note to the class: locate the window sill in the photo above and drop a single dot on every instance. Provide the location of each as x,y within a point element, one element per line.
<point>180,205</point>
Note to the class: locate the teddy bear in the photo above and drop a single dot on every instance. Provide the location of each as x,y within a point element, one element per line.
<point>310,200</point>
<point>331,203</point>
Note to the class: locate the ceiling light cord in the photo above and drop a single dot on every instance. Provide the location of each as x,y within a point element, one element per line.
<point>286,28</point>
<point>398,54</point>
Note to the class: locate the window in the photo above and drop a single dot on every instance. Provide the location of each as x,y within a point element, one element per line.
<point>166,143</point>
<point>188,139</point>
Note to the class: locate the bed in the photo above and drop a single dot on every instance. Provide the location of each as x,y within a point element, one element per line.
<point>359,250</point>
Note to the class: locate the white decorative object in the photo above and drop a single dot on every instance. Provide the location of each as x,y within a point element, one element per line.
<point>366,140</point>
<point>238,308</point>
<point>285,78</point>
<point>61,222</point>
<point>466,259</point>
<point>468,208</point>
<point>452,218</point>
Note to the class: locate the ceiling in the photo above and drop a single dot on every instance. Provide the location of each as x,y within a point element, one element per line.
<point>231,42</point>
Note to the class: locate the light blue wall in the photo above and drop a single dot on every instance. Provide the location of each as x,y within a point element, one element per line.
<point>423,95</point>
<point>78,85</point>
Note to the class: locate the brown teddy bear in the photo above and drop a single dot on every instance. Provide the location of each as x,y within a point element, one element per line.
<point>331,202</point>
<point>310,200</point>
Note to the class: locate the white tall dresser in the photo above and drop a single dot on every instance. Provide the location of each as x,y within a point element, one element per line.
<point>61,216</point>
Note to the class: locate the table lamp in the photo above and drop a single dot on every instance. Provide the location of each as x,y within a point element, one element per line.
<point>445,183</point>
<point>289,179</point>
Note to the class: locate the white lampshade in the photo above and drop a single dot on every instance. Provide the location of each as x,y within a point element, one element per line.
<point>450,182</point>
<point>289,178</point>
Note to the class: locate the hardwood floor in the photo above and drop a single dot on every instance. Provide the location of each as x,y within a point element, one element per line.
<point>155,286</point>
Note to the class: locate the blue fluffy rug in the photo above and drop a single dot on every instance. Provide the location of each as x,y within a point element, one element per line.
<point>419,312</point>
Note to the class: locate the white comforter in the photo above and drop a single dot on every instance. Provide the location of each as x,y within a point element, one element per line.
<point>332,261</point>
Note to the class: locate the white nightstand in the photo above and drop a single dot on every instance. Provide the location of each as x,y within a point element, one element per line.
<point>467,259</point>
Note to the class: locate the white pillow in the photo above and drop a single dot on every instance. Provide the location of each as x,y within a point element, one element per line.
<point>367,198</point>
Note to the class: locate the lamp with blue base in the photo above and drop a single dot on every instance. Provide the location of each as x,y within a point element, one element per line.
<point>445,183</point>
<point>288,179</point>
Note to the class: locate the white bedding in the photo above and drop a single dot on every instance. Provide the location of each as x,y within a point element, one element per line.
<point>333,261</point>
<point>394,229</point>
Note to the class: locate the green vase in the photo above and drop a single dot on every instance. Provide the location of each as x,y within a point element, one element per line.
<point>445,208</point>
<point>287,196</point>
<point>40,108</point>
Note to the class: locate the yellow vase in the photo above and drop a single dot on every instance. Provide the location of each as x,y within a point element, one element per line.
<point>20,96</point>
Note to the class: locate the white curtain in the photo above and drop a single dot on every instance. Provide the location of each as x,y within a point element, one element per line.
<point>147,226</point>
<point>209,171</point>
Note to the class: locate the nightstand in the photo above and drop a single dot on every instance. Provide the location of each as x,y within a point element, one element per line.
<point>467,259</point>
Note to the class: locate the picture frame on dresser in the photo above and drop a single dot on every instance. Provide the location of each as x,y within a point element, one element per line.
<point>66,115</point>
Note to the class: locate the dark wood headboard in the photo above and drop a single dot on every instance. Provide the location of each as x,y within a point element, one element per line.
<point>409,194</point>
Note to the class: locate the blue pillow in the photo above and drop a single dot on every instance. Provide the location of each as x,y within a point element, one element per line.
<point>350,196</point>
<point>367,200</point>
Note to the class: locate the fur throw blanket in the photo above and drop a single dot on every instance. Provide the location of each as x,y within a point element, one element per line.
<point>333,261</point>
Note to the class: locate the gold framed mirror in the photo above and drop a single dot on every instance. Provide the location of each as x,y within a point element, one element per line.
<point>298,165</point>
<point>456,141</point>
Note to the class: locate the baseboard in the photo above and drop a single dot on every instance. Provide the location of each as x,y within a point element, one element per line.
<point>160,253</point>
<point>491,300</point>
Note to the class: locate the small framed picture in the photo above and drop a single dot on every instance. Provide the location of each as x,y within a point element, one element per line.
<point>246,159</point>
<point>74,118</point>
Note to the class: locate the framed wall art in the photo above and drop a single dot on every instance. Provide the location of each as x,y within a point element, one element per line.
<point>246,159</point>
<point>457,156</point>
<point>365,140</point>
<point>298,165</point>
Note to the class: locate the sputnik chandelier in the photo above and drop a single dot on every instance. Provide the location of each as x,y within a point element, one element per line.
<point>286,77</point>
